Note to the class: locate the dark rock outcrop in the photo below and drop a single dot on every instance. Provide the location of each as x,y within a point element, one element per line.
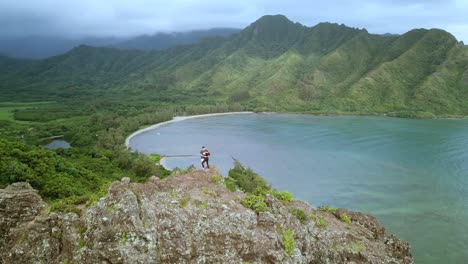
<point>186,219</point>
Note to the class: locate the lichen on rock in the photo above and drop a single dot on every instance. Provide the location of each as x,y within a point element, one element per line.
<point>187,219</point>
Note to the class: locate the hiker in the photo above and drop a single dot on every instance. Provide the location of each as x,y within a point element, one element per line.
<point>204,155</point>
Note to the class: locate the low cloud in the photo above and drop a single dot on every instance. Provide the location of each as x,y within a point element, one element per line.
<point>124,18</point>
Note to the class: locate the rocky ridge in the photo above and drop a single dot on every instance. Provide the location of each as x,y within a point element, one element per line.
<point>190,218</point>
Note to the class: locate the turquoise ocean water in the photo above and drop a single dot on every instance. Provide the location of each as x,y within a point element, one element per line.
<point>411,174</point>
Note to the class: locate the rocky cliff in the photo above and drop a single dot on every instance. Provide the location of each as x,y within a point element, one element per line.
<point>190,218</point>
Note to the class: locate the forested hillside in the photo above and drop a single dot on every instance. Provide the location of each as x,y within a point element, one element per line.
<point>160,41</point>
<point>41,47</point>
<point>272,65</point>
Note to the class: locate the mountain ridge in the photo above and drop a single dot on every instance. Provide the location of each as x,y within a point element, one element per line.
<point>161,40</point>
<point>43,47</point>
<point>276,64</point>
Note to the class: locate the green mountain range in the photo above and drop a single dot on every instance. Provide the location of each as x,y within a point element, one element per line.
<point>40,47</point>
<point>160,40</point>
<point>272,65</point>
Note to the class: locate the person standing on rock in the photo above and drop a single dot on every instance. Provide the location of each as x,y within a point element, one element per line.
<point>204,155</point>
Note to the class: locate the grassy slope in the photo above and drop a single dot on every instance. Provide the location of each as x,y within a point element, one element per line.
<point>392,84</point>
<point>446,89</point>
<point>7,110</point>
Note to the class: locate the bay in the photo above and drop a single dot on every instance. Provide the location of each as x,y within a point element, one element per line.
<point>411,174</point>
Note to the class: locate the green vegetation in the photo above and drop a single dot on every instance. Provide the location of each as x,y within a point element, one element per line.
<point>8,110</point>
<point>255,186</point>
<point>178,171</point>
<point>299,214</point>
<point>74,175</point>
<point>217,179</point>
<point>123,238</point>
<point>272,65</point>
<point>230,184</point>
<point>156,158</point>
<point>81,242</point>
<point>69,204</point>
<point>319,221</point>
<point>52,174</point>
<point>256,203</point>
<point>327,208</point>
<point>287,237</point>
<point>184,201</point>
<point>208,191</point>
<point>137,196</point>
<point>246,179</point>
<point>96,97</point>
<point>355,246</point>
<point>81,174</point>
<point>345,219</point>
<point>283,196</point>
<point>202,204</point>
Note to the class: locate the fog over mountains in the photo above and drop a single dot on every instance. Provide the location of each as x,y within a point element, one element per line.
<point>40,47</point>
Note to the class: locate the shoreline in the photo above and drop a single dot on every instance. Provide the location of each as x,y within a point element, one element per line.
<point>182,118</point>
<point>177,119</point>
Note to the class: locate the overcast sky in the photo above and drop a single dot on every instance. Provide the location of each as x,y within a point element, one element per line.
<point>131,17</point>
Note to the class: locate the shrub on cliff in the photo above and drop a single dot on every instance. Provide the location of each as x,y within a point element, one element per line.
<point>283,196</point>
<point>287,237</point>
<point>256,203</point>
<point>246,179</point>
<point>299,214</point>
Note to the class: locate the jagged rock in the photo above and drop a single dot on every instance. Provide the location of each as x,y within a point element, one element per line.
<point>368,221</point>
<point>19,204</point>
<point>185,219</point>
<point>154,179</point>
<point>125,180</point>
